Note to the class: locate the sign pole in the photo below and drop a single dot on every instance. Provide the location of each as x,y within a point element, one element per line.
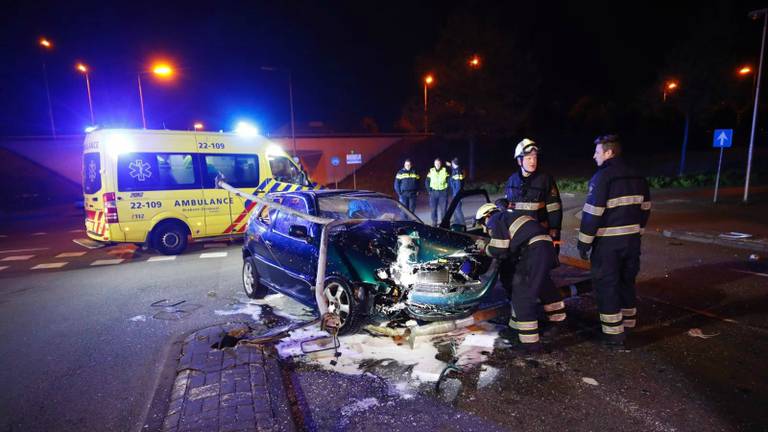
<point>717,179</point>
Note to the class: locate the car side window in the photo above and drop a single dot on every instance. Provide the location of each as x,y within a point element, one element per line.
<point>285,220</point>
<point>265,215</point>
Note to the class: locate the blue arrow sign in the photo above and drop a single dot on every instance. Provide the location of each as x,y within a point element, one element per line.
<point>723,138</point>
<point>335,161</point>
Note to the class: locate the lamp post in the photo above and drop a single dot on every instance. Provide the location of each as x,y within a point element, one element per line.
<point>84,70</point>
<point>755,14</point>
<point>46,45</point>
<point>290,101</point>
<point>669,87</point>
<point>162,70</point>
<point>428,80</point>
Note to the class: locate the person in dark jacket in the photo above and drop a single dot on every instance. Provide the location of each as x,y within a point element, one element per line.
<point>407,185</point>
<point>456,184</point>
<point>614,216</point>
<point>514,234</point>
<point>437,186</point>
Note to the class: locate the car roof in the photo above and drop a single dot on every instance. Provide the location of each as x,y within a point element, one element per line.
<point>324,193</point>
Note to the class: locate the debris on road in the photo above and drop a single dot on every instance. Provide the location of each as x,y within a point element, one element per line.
<point>590,381</point>
<point>696,332</point>
<point>754,257</point>
<point>733,235</point>
<point>138,318</point>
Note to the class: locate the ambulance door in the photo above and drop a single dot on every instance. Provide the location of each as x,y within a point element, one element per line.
<point>227,213</point>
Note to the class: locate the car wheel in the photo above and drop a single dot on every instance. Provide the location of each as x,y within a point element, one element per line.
<point>251,285</point>
<point>170,238</point>
<point>340,299</point>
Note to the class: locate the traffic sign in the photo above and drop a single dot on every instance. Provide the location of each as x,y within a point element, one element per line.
<point>335,161</point>
<point>723,138</point>
<point>354,159</point>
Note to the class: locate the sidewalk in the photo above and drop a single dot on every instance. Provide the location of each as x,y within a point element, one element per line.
<point>232,389</point>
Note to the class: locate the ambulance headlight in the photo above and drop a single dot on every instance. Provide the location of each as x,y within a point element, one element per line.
<point>90,129</point>
<point>246,129</point>
<point>117,144</point>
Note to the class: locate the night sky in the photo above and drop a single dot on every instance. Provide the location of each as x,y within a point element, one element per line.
<point>349,59</point>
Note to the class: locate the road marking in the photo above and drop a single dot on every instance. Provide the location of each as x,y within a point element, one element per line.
<point>214,255</point>
<point>107,262</point>
<point>49,266</point>
<point>70,254</point>
<point>753,273</point>
<point>17,258</point>
<point>22,250</point>
<point>3,267</point>
<point>214,245</point>
<point>76,231</point>
<point>161,258</point>
<point>3,236</point>
<point>39,233</point>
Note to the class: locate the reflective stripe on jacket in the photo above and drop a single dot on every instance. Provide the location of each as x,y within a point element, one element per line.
<point>406,181</point>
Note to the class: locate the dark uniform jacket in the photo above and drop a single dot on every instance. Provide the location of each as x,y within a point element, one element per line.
<point>512,232</point>
<point>406,182</point>
<point>536,196</point>
<point>618,203</point>
<point>456,181</point>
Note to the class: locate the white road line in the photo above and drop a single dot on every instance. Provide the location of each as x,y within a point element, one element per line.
<point>161,258</point>
<point>3,267</point>
<point>70,254</point>
<point>213,255</point>
<point>39,233</point>
<point>17,258</point>
<point>107,262</point>
<point>49,266</point>
<point>76,231</point>
<point>750,272</point>
<point>214,245</point>
<point>3,236</point>
<point>22,250</point>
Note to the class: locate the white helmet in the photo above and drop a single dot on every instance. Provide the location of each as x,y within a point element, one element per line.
<point>524,147</point>
<point>485,210</point>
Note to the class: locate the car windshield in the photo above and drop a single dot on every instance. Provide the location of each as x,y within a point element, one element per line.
<point>364,207</point>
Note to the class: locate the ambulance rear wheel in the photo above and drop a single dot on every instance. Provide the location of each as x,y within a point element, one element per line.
<point>170,238</point>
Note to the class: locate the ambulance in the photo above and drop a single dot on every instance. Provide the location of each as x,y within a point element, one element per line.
<point>157,187</point>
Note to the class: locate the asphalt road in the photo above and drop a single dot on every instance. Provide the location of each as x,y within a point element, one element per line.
<point>83,347</point>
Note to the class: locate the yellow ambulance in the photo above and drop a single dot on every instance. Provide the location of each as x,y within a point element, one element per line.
<point>157,187</point>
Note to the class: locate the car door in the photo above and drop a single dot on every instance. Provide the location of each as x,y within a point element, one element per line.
<point>260,241</point>
<point>297,257</point>
<point>470,201</point>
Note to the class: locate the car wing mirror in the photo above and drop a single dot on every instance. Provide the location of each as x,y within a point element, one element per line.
<point>299,232</point>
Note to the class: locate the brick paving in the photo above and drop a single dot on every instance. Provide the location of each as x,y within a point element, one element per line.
<point>227,390</point>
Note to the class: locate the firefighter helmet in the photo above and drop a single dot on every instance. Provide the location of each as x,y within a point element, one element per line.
<point>524,147</point>
<point>484,211</point>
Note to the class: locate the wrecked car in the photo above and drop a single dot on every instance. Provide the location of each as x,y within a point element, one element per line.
<point>384,261</point>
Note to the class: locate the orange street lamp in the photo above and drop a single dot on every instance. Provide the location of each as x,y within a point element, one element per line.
<point>45,44</point>
<point>162,70</point>
<point>474,62</point>
<point>745,70</point>
<point>669,87</point>
<point>428,81</point>
<point>198,126</point>
<point>84,70</point>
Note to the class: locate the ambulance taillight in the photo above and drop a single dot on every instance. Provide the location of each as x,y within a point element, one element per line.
<point>110,207</point>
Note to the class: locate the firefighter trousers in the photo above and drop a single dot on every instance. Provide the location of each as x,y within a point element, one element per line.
<point>615,264</point>
<point>530,280</point>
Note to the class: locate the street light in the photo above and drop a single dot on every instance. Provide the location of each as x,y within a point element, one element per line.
<point>669,87</point>
<point>755,14</point>
<point>84,70</point>
<point>198,126</point>
<point>474,62</point>
<point>46,45</point>
<point>428,81</point>
<point>290,101</point>
<point>162,70</point>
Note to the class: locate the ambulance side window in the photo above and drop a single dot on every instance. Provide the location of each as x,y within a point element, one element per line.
<point>156,171</point>
<point>239,170</point>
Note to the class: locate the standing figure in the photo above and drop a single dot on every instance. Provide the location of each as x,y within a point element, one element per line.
<point>437,186</point>
<point>456,183</point>
<point>407,185</point>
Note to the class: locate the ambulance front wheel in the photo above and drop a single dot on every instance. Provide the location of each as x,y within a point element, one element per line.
<point>170,238</point>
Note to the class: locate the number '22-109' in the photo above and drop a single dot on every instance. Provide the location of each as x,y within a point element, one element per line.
<point>216,146</point>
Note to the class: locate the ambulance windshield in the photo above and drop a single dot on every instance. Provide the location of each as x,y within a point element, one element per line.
<point>284,170</point>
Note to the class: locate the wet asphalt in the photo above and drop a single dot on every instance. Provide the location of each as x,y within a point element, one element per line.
<point>75,355</point>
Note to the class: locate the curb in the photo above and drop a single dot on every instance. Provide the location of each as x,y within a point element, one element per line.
<point>700,237</point>
<point>238,388</point>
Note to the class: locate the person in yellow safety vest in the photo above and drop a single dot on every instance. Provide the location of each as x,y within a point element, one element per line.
<point>407,185</point>
<point>613,219</point>
<point>437,186</point>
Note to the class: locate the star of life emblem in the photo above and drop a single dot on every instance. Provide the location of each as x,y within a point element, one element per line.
<point>140,170</point>
<point>92,171</point>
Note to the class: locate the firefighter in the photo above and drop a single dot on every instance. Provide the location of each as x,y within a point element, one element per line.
<point>535,194</point>
<point>407,185</point>
<point>614,216</point>
<point>456,184</point>
<point>437,186</point>
<point>514,234</point>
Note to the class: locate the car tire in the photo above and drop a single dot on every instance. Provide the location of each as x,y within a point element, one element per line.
<point>339,292</point>
<point>170,238</point>
<point>251,285</point>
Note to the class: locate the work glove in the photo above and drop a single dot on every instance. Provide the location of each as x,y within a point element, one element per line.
<point>480,244</point>
<point>584,250</point>
<point>555,234</point>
